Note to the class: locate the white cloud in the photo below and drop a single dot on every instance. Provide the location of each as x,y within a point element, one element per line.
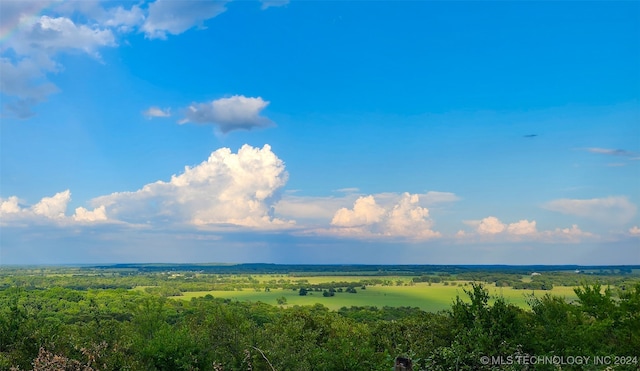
<point>407,219</point>
<point>365,211</point>
<point>610,209</point>
<point>490,225</point>
<point>273,3</point>
<point>175,17</point>
<point>634,231</point>
<point>157,112</point>
<point>84,215</point>
<point>228,114</point>
<point>319,210</point>
<point>573,234</point>
<point>48,209</point>
<point>53,207</point>
<point>522,227</point>
<point>237,189</point>
<point>429,199</point>
<point>28,53</point>
<point>122,19</point>
<point>367,219</point>
<point>46,35</point>
<point>226,189</point>
<point>493,229</point>
<point>9,206</point>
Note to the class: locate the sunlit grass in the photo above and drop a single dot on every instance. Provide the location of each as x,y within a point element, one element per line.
<point>430,298</point>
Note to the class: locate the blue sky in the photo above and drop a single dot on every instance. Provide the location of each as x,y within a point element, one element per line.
<point>320,132</point>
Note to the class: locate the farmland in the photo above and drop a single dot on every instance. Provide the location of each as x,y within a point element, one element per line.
<point>262,317</point>
<point>430,298</point>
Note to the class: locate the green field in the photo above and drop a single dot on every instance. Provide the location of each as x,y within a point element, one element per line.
<point>429,298</point>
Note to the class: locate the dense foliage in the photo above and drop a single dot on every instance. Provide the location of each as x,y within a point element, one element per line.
<point>54,328</point>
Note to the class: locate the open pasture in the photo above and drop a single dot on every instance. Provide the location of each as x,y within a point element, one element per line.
<point>429,298</point>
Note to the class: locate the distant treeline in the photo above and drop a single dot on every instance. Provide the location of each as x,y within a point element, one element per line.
<point>365,269</point>
<point>173,282</point>
<point>535,281</point>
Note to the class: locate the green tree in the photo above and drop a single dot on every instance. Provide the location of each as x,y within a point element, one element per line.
<point>480,329</point>
<point>281,300</point>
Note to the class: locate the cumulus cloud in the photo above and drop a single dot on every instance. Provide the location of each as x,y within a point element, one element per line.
<point>365,211</point>
<point>367,219</point>
<point>48,209</point>
<point>634,231</point>
<point>175,17</point>
<point>406,218</point>
<point>609,209</point>
<point>9,206</point>
<point>228,114</point>
<point>429,199</point>
<point>53,207</point>
<point>95,215</point>
<point>495,230</point>
<point>522,227</point>
<point>319,209</point>
<point>228,188</point>
<point>490,225</point>
<point>157,112</point>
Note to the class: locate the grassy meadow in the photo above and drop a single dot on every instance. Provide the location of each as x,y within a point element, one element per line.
<point>433,298</point>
